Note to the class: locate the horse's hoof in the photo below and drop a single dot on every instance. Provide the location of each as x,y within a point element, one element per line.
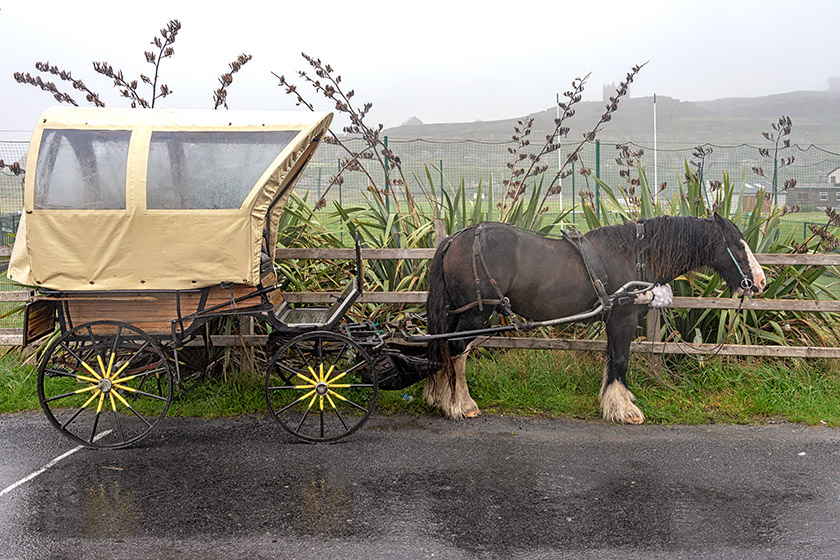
<point>475,413</point>
<point>634,420</point>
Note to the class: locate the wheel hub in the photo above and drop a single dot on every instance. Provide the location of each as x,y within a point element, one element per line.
<point>104,385</point>
<point>322,389</point>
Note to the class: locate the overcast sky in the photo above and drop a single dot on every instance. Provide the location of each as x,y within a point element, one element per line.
<point>441,61</point>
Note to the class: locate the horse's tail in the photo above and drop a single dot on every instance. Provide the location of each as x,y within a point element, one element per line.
<point>439,320</point>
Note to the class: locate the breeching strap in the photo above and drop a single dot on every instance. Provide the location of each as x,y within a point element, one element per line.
<point>478,257</point>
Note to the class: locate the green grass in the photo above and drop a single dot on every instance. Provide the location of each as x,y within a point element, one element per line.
<point>551,384</point>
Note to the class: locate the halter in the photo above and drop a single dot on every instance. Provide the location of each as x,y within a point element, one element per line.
<point>746,282</point>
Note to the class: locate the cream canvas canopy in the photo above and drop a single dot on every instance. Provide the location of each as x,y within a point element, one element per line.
<point>147,199</point>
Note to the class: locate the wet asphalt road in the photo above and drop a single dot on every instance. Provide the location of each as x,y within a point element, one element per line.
<point>402,487</point>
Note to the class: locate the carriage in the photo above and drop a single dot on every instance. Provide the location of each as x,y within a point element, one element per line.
<point>143,227</point>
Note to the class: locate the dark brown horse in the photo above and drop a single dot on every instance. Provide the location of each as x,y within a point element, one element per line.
<point>478,270</point>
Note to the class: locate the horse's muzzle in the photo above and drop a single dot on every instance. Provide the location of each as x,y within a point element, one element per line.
<point>752,286</point>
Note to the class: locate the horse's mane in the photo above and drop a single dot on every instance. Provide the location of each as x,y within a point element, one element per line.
<point>672,245</point>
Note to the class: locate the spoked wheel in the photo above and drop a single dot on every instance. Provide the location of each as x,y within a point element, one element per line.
<point>193,366</point>
<point>321,386</point>
<point>104,384</point>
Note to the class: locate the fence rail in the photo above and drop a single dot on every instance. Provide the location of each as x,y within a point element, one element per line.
<point>653,346</point>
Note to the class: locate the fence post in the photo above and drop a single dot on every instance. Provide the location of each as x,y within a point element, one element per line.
<point>246,352</point>
<point>597,176</point>
<point>440,170</point>
<point>574,200</point>
<point>652,333</point>
<point>387,181</point>
<point>440,231</point>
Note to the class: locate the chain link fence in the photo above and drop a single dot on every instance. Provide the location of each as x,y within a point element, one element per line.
<point>432,166</point>
<point>11,188</point>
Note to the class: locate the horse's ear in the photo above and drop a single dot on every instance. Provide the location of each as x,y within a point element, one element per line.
<point>717,218</point>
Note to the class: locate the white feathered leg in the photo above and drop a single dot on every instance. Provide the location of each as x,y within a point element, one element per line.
<point>457,403</point>
<point>617,403</point>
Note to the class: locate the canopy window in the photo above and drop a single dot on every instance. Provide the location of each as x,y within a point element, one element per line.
<point>82,169</point>
<point>208,170</point>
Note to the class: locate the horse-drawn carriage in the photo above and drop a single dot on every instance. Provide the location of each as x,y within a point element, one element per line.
<point>141,228</point>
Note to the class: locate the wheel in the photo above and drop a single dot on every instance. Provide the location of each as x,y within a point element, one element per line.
<point>104,384</point>
<point>321,386</point>
<point>193,365</point>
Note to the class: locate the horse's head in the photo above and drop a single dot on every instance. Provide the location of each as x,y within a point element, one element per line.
<point>735,261</point>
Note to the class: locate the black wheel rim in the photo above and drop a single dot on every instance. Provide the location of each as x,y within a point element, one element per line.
<point>104,384</point>
<point>321,386</point>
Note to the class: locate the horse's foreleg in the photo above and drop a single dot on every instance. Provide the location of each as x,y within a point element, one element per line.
<point>616,399</point>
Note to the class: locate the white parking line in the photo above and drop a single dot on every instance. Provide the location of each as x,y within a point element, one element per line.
<point>48,466</point>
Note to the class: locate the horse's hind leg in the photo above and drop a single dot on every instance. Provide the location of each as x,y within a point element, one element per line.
<point>463,401</point>
<point>616,399</point>
<point>455,403</point>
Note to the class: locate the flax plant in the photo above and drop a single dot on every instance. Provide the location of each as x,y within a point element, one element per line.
<point>129,89</point>
<point>762,230</point>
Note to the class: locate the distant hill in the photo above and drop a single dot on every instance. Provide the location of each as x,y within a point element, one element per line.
<point>815,116</point>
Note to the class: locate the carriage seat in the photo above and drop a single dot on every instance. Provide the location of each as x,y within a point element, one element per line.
<point>317,316</point>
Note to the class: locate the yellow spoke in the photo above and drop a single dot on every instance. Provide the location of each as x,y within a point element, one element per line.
<point>315,396</point>
<point>124,388</point>
<point>311,382</point>
<point>122,367</point>
<point>306,396</point>
<point>86,389</point>
<point>332,404</point>
<point>129,378</point>
<point>327,376</point>
<point>336,378</point>
<point>89,379</point>
<point>101,400</point>
<point>111,363</point>
<point>321,403</point>
<point>120,397</point>
<point>113,404</point>
<point>101,366</point>
<point>340,385</point>
<point>90,369</point>
<point>321,373</point>
<point>340,397</point>
<point>90,400</point>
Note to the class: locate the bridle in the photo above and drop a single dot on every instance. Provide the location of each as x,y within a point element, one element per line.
<point>746,281</point>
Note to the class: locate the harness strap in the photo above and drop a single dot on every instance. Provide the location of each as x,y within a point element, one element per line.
<point>475,304</point>
<point>640,254</point>
<point>593,264</point>
<point>478,257</point>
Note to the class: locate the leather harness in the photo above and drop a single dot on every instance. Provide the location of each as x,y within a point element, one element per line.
<point>595,269</point>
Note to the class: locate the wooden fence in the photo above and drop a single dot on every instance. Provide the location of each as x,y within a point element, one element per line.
<point>13,337</point>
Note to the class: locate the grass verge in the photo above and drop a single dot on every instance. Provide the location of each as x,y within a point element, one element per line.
<point>553,384</point>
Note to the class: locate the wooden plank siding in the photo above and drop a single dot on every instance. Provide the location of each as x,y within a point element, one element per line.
<point>152,312</point>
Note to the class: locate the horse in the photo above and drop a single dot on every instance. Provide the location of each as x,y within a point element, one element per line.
<point>495,267</point>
